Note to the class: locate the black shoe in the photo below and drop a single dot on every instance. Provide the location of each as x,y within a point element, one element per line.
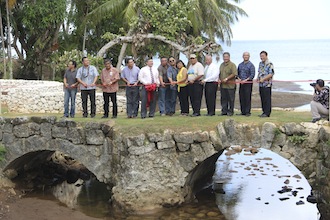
<point>195,115</point>
<point>71,116</point>
<point>104,116</point>
<point>92,116</point>
<point>208,114</point>
<point>65,116</point>
<point>230,114</point>
<point>151,116</point>
<point>263,116</point>
<point>223,114</point>
<point>143,117</point>
<point>240,114</point>
<point>115,116</point>
<point>248,114</point>
<point>315,120</point>
<point>85,115</point>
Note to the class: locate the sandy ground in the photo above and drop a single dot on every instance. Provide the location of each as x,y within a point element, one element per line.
<point>12,207</point>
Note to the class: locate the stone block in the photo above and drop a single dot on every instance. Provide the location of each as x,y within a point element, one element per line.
<point>208,148</point>
<point>93,126</point>
<point>94,150</point>
<point>94,137</point>
<point>223,135</point>
<point>293,129</point>
<point>158,137</point>
<point>20,120</point>
<point>165,144</point>
<point>184,137</point>
<point>76,135</point>
<point>183,147</point>
<point>8,138</point>
<point>135,140</point>
<point>59,132</point>
<point>267,134</point>
<point>7,128</point>
<point>26,130</point>
<point>186,161</point>
<point>198,152</point>
<point>201,136</point>
<point>140,150</point>
<point>215,139</point>
<point>46,130</point>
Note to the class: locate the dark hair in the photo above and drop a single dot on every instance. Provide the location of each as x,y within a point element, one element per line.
<point>226,53</point>
<point>127,59</point>
<point>74,63</point>
<point>180,61</point>
<point>320,82</point>
<point>107,60</point>
<point>171,57</point>
<point>82,59</point>
<point>163,57</point>
<point>264,53</point>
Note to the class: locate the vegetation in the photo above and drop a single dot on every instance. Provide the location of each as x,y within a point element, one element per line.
<point>2,153</point>
<point>297,139</point>
<point>44,31</point>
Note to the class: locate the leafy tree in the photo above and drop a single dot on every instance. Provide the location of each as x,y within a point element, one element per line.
<point>36,25</point>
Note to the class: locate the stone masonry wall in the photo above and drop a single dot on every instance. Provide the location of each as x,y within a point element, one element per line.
<point>33,96</point>
<point>150,170</point>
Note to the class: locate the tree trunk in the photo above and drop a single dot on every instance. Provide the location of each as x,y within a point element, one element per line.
<point>3,51</point>
<point>122,52</point>
<point>9,42</point>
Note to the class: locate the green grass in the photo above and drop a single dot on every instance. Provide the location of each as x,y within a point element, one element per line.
<point>179,123</point>
<point>2,153</point>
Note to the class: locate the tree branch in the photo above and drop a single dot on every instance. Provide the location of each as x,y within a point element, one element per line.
<point>141,37</point>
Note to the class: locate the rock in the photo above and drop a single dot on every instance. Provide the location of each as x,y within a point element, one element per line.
<point>94,137</point>
<point>183,147</point>
<point>200,136</point>
<point>215,139</point>
<point>267,134</point>
<point>184,137</point>
<point>165,145</point>
<point>20,120</point>
<point>140,150</point>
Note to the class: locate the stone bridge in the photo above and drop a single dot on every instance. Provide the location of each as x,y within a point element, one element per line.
<point>153,170</point>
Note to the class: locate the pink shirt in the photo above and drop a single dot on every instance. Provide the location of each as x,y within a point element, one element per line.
<point>108,76</point>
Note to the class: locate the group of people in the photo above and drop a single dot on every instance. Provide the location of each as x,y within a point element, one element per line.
<point>172,79</point>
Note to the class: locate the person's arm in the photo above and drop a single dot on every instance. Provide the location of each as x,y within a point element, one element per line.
<point>65,82</point>
<point>142,77</point>
<point>200,73</point>
<point>116,78</point>
<point>78,77</point>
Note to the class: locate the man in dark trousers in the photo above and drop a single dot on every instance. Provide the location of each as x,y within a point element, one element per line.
<point>246,72</point>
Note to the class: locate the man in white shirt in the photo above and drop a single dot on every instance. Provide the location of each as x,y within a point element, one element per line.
<point>195,86</point>
<point>149,77</point>
<point>211,74</point>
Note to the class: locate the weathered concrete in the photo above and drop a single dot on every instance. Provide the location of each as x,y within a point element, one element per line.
<point>153,170</point>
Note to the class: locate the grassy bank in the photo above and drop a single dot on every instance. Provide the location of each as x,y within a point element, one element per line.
<point>180,123</point>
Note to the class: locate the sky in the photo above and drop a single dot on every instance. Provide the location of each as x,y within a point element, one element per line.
<point>283,20</point>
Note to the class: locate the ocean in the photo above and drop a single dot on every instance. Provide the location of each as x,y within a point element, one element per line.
<point>294,60</point>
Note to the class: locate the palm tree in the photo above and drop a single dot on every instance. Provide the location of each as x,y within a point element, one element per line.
<point>213,18</point>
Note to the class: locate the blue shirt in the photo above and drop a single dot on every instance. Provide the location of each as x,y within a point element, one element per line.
<point>87,75</point>
<point>172,73</point>
<point>246,70</point>
<point>131,75</point>
<point>265,69</point>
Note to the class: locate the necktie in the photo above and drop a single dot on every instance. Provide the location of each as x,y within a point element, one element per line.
<point>152,76</point>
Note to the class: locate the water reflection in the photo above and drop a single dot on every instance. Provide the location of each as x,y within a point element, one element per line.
<point>261,186</point>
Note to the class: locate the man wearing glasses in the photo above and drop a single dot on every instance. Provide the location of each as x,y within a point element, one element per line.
<point>163,90</point>
<point>172,73</point>
<point>87,76</point>
<point>195,85</point>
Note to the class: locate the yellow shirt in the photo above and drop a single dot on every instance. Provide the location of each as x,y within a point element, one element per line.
<point>179,77</point>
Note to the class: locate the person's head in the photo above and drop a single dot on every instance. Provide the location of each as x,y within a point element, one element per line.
<point>263,56</point>
<point>85,61</point>
<point>72,64</point>
<point>130,62</point>
<point>193,59</point>
<point>319,84</point>
<point>226,57</point>
<point>149,62</point>
<point>208,59</point>
<point>163,61</point>
<point>107,63</point>
<point>180,64</point>
<point>246,56</point>
<point>171,60</point>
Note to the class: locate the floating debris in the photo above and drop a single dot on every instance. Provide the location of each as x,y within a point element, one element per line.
<point>284,190</point>
<point>294,193</point>
<point>300,202</point>
<point>287,181</point>
<point>258,198</point>
<point>297,176</point>
<point>285,198</point>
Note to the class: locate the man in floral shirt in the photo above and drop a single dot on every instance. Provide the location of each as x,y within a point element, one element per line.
<point>320,103</point>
